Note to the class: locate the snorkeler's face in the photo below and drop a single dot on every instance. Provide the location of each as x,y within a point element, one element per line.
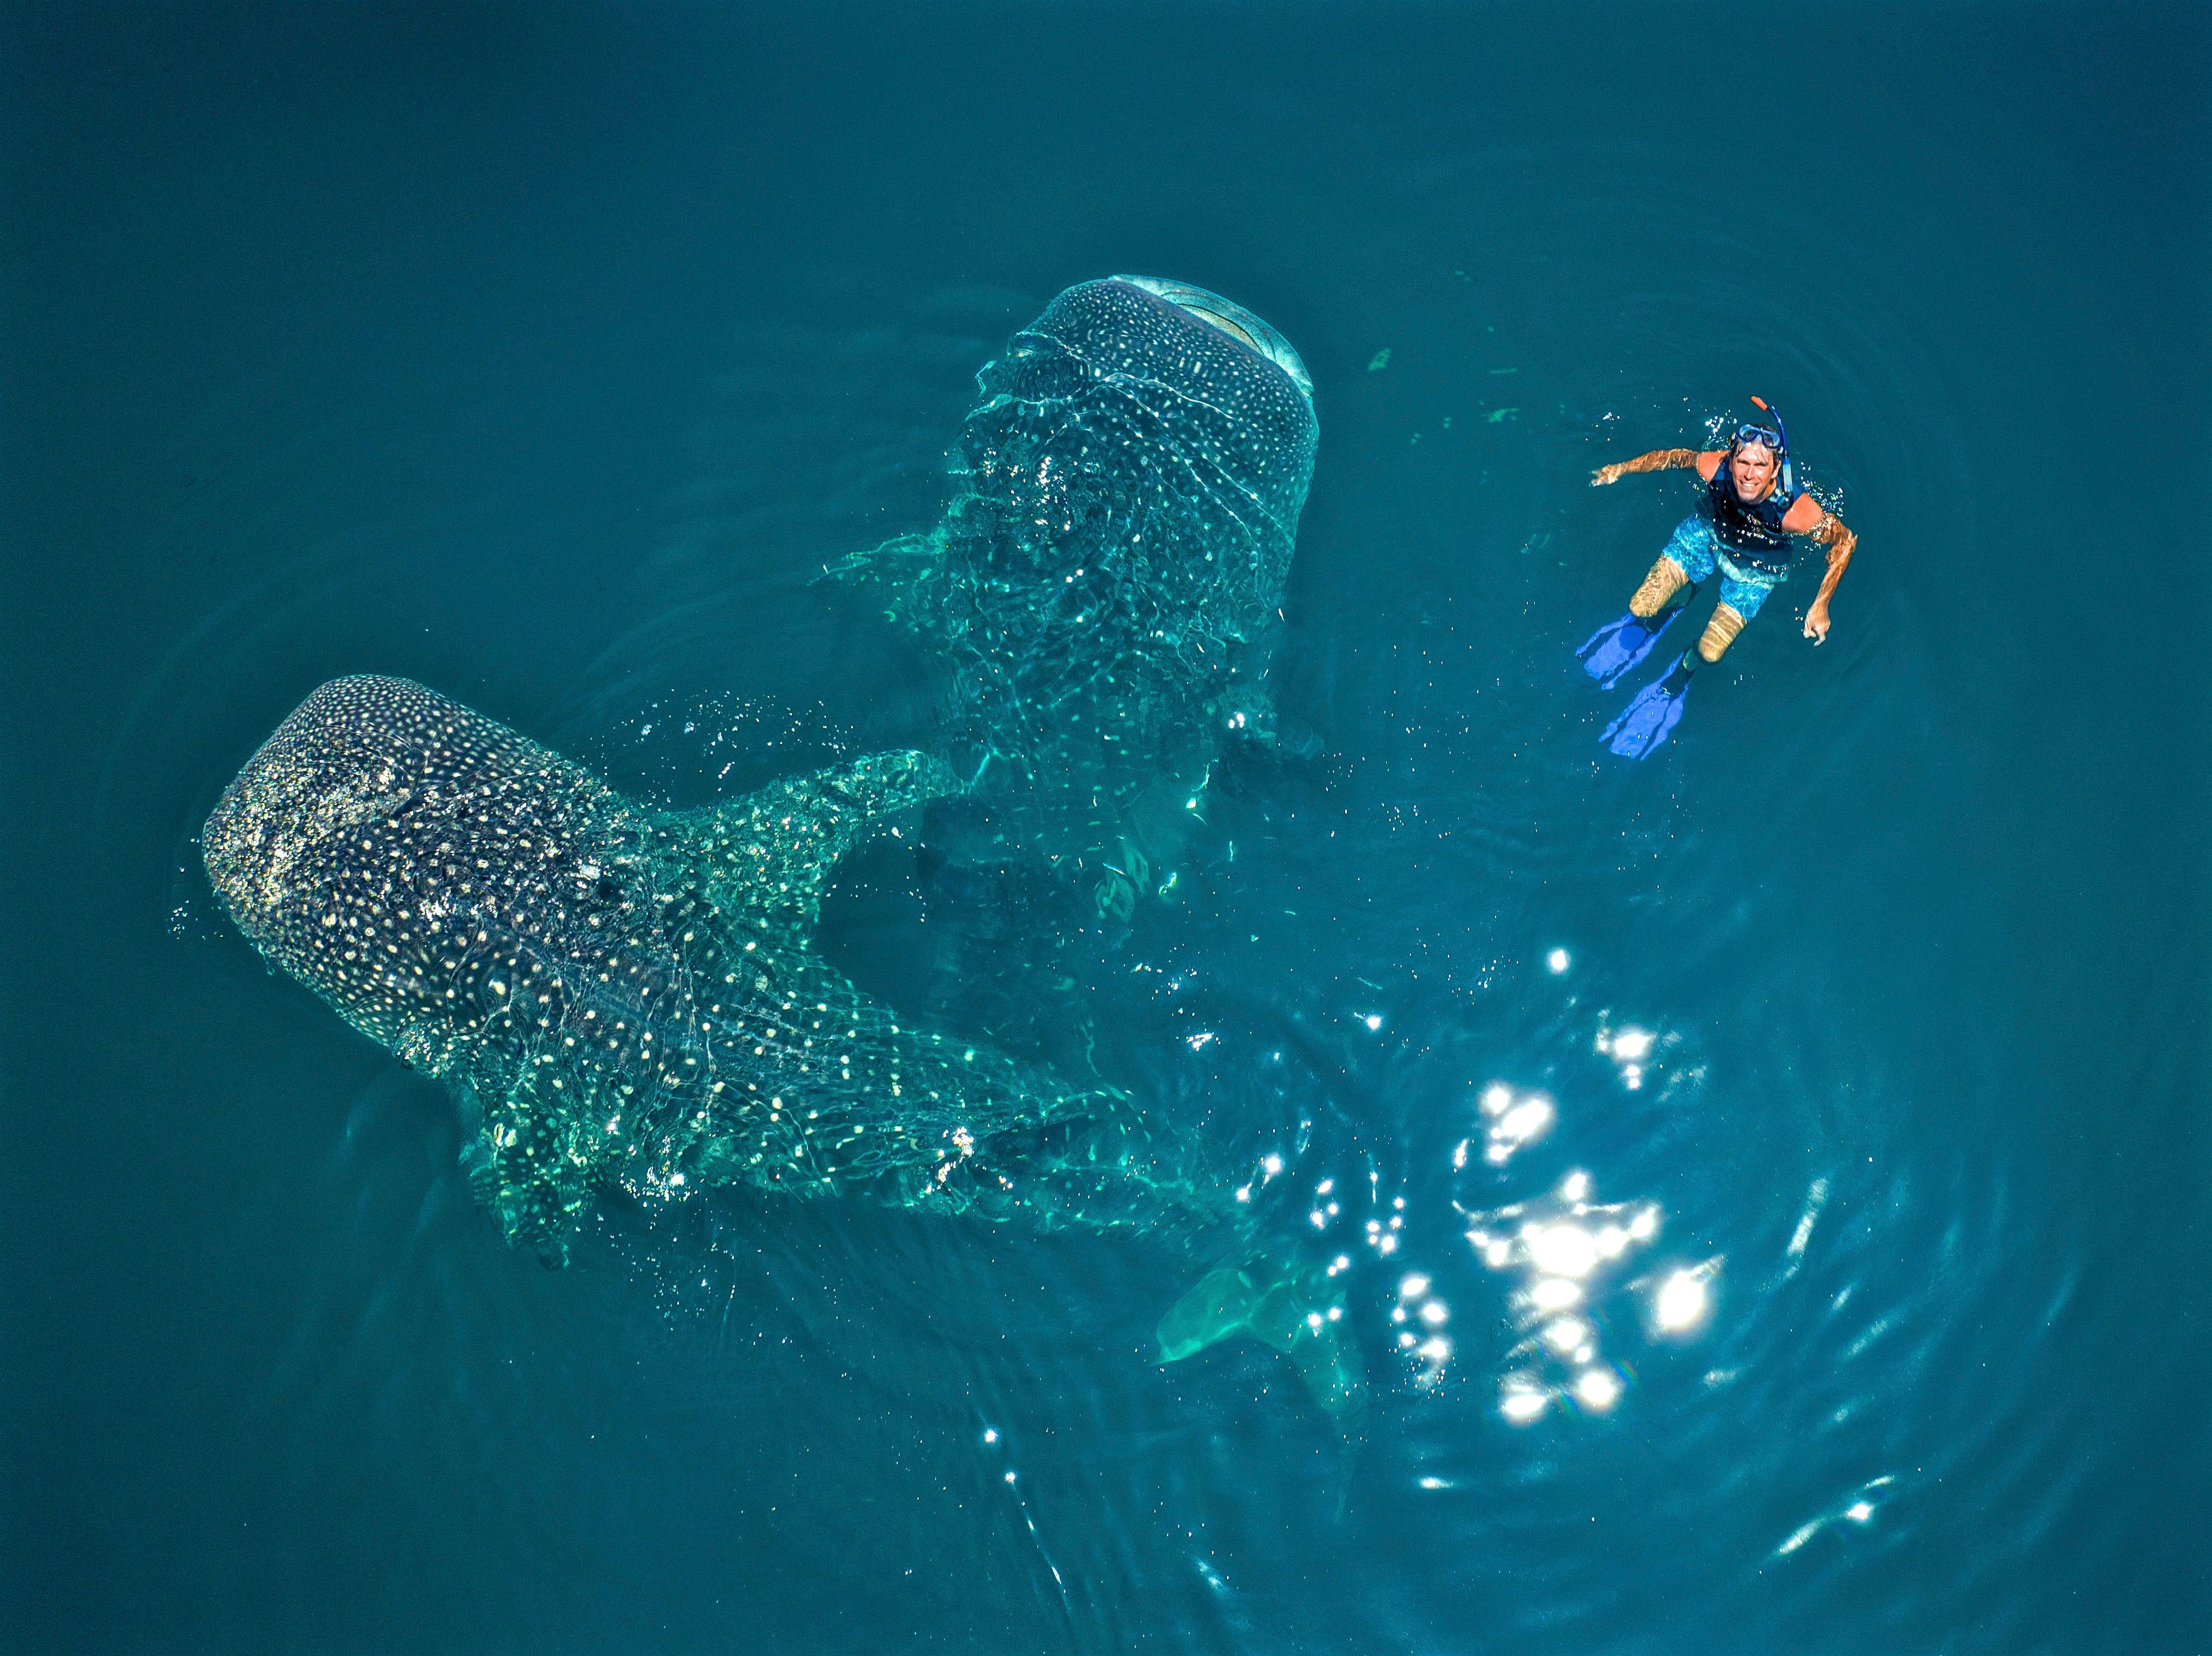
<point>1751,468</point>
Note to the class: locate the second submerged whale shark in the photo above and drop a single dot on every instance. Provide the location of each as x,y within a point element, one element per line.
<point>1106,576</point>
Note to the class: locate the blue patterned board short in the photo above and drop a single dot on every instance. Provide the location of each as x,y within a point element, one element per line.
<point>1743,589</point>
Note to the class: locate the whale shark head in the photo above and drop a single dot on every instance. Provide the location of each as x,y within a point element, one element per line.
<point>387,847</point>
<point>1232,319</point>
<point>269,842</point>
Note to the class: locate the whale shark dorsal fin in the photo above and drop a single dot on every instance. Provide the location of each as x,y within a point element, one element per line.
<point>771,851</point>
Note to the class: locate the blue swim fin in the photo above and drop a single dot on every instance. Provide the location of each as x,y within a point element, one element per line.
<point>1648,720</point>
<point>1617,649</point>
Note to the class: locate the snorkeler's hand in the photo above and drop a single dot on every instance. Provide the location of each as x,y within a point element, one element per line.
<point>1816,622</point>
<point>1604,474</point>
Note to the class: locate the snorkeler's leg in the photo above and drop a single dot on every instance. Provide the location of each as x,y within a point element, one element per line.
<point>1619,646</point>
<point>1672,580</point>
<point>1720,632</point>
<point>1666,578</point>
<point>1651,716</point>
<point>1740,598</point>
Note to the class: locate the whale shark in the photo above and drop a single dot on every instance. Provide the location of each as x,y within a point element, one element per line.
<point>1108,574</point>
<point>626,998</point>
<point>619,994</point>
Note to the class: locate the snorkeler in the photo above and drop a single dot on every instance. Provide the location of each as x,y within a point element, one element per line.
<point>1751,508</point>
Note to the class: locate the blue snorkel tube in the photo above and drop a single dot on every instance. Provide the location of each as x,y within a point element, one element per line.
<point>1789,482</point>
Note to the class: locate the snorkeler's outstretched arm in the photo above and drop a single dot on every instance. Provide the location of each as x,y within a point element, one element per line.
<point>1807,517</point>
<point>1660,459</point>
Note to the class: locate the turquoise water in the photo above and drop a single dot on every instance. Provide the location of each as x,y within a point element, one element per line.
<point>545,355</point>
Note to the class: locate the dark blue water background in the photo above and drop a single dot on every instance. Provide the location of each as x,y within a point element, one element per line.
<point>543,354</point>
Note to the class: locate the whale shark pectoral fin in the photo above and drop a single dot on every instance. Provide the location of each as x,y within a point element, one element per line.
<point>899,561</point>
<point>771,851</point>
<point>908,569</point>
<point>530,1164</point>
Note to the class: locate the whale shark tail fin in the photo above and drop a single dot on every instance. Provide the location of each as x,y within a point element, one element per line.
<point>1292,1308</point>
<point>771,851</point>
